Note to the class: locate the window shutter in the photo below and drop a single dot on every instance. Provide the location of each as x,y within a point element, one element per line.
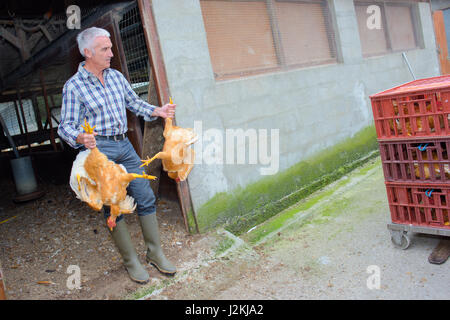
<point>239,36</point>
<point>305,34</point>
<point>400,25</point>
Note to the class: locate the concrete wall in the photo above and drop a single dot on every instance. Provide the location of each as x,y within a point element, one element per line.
<point>313,108</point>
<point>440,4</point>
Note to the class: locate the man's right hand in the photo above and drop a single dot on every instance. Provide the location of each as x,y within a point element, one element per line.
<point>87,139</point>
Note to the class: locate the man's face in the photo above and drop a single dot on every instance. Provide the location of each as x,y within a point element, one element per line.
<point>103,53</point>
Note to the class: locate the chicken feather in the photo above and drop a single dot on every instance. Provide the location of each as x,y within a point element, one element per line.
<point>177,158</point>
<point>99,181</point>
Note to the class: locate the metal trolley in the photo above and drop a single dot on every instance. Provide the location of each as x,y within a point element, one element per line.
<point>401,239</point>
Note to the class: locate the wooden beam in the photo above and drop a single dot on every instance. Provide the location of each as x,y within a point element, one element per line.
<point>9,37</point>
<point>35,136</point>
<point>2,285</point>
<point>54,87</point>
<point>18,117</point>
<point>46,33</point>
<point>23,119</point>
<point>57,49</point>
<point>49,118</point>
<point>441,41</point>
<point>34,21</point>
<point>34,39</point>
<point>37,112</point>
<point>24,51</point>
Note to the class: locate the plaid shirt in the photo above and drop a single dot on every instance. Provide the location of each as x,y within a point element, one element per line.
<point>84,96</point>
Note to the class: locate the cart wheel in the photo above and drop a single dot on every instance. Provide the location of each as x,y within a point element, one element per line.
<point>400,240</point>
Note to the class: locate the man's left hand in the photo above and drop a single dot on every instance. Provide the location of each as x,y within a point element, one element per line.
<point>167,111</point>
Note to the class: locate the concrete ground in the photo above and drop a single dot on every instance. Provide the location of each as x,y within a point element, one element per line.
<point>333,245</point>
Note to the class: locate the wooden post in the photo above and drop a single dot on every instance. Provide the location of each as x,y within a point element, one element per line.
<point>441,41</point>
<point>18,117</point>
<point>2,285</point>
<point>24,50</point>
<point>23,119</point>
<point>153,138</point>
<point>49,118</point>
<point>37,113</point>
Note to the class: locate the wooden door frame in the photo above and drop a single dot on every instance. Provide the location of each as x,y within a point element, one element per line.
<point>441,41</point>
<point>162,90</point>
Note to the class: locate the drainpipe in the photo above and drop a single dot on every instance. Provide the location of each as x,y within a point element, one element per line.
<point>409,66</point>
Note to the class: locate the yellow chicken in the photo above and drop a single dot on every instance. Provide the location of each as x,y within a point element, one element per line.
<point>99,181</point>
<point>418,120</point>
<point>177,158</point>
<point>426,167</point>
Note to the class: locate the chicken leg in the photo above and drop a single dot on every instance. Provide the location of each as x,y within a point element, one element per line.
<point>160,155</point>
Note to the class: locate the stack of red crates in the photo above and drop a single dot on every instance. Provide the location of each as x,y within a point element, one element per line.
<point>413,129</point>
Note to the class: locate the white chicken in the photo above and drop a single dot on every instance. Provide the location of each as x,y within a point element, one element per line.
<point>99,181</point>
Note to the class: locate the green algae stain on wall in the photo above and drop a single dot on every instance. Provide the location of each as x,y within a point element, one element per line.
<point>246,207</point>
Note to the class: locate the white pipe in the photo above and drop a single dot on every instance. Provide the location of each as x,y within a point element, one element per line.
<point>409,66</point>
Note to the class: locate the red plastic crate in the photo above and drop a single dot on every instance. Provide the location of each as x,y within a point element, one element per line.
<point>419,108</point>
<point>416,160</point>
<point>422,205</point>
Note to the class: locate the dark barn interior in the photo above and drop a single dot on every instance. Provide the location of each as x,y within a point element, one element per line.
<point>43,227</point>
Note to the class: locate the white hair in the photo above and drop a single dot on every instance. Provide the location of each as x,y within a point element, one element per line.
<point>86,38</point>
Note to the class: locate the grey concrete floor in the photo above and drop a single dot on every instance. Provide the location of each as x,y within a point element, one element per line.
<point>338,248</point>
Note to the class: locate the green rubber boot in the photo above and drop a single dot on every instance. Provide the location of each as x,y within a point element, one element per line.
<point>155,255</point>
<point>123,242</point>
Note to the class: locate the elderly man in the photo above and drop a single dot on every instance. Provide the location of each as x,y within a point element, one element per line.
<point>101,95</point>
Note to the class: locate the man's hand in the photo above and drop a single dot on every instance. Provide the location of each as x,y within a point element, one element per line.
<point>166,111</point>
<point>87,139</point>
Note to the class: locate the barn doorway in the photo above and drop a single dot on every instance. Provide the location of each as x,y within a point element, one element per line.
<point>40,237</point>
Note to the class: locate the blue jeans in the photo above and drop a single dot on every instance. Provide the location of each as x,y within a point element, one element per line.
<point>122,152</point>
